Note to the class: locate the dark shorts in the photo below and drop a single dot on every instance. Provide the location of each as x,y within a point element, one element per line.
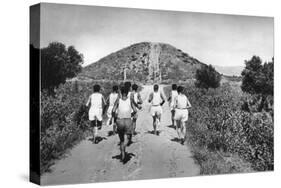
<point>94,124</point>
<point>124,126</point>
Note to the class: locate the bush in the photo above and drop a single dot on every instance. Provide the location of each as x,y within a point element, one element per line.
<point>257,78</point>
<point>57,64</point>
<point>207,77</point>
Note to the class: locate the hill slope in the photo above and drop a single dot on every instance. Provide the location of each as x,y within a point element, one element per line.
<point>145,62</point>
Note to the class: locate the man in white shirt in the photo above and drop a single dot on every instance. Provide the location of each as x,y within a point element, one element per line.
<point>181,105</point>
<point>111,100</point>
<point>156,99</point>
<point>96,103</point>
<point>124,105</point>
<point>137,101</point>
<point>171,99</point>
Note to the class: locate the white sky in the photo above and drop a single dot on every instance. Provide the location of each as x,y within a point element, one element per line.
<point>216,39</point>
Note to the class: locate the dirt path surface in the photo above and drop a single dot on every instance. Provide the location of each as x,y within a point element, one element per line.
<point>149,156</point>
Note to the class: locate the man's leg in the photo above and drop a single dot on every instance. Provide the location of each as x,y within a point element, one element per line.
<point>114,126</point>
<point>129,131</point>
<point>95,130</point>
<point>122,144</point>
<point>173,117</point>
<point>134,125</point>
<point>154,123</point>
<point>121,134</point>
<point>158,120</point>
<point>109,121</point>
<point>178,128</point>
<point>184,131</point>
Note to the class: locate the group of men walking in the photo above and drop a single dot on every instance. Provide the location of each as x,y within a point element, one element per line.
<point>123,105</point>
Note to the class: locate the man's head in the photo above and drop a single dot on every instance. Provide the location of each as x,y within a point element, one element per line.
<point>155,87</point>
<point>115,88</point>
<point>124,91</point>
<point>180,89</point>
<point>96,88</point>
<point>128,85</point>
<point>174,87</point>
<point>135,87</point>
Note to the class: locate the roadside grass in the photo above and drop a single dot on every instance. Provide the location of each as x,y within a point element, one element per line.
<point>224,138</point>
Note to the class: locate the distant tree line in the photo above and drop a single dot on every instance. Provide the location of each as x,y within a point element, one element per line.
<point>257,77</point>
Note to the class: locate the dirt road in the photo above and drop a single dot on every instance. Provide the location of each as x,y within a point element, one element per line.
<point>150,156</point>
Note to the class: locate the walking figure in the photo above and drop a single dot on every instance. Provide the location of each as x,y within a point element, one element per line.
<point>137,102</point>
<point>156,99</point>
<point>182,105</point>
<point>111,100</point>
<point>96,103</point>
<point>124,106</point>
<point>171,99</point>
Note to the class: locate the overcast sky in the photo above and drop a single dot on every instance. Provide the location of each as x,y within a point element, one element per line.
<point>212,38</point>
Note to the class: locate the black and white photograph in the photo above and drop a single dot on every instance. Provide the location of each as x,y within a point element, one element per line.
<point>134,94</point>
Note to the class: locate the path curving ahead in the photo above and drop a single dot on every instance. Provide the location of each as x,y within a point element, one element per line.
<point>150,156</point>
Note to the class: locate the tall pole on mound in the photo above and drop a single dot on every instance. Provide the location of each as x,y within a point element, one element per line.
<point>125,73</point>
<point>125,69</point>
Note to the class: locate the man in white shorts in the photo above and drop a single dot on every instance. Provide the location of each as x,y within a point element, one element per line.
<point>156,99</point>
<point>96,103</point>
<point>171,99</point>
<point>111,100</point>
<point>182,105</point>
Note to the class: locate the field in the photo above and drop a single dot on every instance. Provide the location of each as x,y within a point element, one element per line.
<point>230,131</point>
<point>64,119</point>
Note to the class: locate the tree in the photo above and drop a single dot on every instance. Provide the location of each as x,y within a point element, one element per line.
<point>257,78</point>
<point>58,63</point>
<point>207,77</point>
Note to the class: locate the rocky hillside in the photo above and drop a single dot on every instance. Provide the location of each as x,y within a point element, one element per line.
<point>145,62</point>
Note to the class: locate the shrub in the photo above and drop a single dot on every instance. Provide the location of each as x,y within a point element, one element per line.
<point>257,78</point>
<point>207,77</point>
<point>57,64</point>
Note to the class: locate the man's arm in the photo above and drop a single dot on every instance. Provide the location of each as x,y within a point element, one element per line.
<point>115,106</point>
<point>140,99</point>
<point>133,101</point>
<point>107,100</point>
<point>175,103</point>
<point>133,105</point>
<point>150,97</point>
<point>170,97</point>
<point>188,103</point>
<point>163,99</point>
<point>104,105</point>
<point>88,102</point>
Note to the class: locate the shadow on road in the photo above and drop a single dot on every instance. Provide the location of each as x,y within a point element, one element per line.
<point>128,157</point>
<point>176,140</point>
<point>97,140</point>
<point>172,127</point>
<point>152,132</point>
<point>110,133</point>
